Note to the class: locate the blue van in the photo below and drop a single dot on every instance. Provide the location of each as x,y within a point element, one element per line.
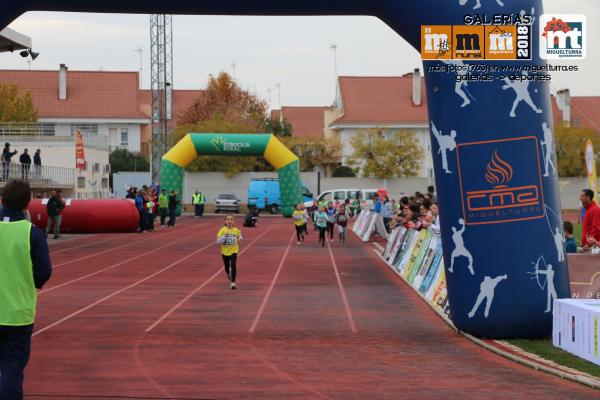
<point>264,195</point>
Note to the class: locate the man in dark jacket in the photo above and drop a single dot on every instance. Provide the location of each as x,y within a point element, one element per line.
<point>173,203</point>
<point>25,160</point>
<point>7,156</point>
<point>24,266</point>
<point>54,209</point>
<point>37,163</point>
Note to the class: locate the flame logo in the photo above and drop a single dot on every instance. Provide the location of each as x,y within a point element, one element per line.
<point>499,172</point>
<point>218,142</point>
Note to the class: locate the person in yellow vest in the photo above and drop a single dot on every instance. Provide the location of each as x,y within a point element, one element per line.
<point>299,219</point>
<point>24,266</point>
<point>229,238</point>
<point>198,202</point>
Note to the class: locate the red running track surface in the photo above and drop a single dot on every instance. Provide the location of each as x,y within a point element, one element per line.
<point>150,316</point>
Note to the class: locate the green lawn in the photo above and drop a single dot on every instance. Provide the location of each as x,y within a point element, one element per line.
<point>545,349</point>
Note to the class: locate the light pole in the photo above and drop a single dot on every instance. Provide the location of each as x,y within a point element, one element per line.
<point>280,106</point>
<point>140,52</point>
<point>335,68</point>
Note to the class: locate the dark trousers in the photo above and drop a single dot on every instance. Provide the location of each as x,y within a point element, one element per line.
<point>322,230</point>
<point>330,230</point>
<point>300,232</point>
<point>197,210</point>
<point>163,215</point>
<point>142,220</point>
<point>15,346</point>
<point>25,171</point>
<point>230,265</point>
<point>150,223</point>
<point>201,207</point>
<point>172,212</point>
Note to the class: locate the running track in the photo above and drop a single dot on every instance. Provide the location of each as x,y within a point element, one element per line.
<point>150,316</point>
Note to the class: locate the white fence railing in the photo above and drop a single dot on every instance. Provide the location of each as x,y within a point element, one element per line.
<point>38,175</point>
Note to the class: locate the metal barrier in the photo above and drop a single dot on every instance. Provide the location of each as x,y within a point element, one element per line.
<point>38,175</point>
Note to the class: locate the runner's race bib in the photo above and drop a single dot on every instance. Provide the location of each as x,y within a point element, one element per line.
<point>230,239</point>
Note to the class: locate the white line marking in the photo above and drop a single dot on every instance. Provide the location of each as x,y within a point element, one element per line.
<point>342,292</point>
<point>196,290</point>
<point>268,294</point>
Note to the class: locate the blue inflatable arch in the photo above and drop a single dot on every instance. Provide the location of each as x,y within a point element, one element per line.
<point>493,157</point>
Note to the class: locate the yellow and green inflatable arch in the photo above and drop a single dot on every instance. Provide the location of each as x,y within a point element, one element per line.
<point>235,144</point>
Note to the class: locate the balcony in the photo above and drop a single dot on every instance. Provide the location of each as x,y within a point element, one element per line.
<point>39,176</point>
<point>46,132</point>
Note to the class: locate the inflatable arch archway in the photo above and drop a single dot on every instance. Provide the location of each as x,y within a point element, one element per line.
<point>493,155</point>
<point>234,144</point>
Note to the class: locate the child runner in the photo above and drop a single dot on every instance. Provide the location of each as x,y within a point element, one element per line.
<point>331,211</point>
<point>299,222</point>
<point>341,219</point>
<point>229,238</point>
<point>305,219</point>
<point>321,220</point>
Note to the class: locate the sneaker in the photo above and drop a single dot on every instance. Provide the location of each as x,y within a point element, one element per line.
<point>233,286</point>
<point>298,243</point>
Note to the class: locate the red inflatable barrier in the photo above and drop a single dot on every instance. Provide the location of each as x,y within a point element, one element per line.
<point>90,216</point>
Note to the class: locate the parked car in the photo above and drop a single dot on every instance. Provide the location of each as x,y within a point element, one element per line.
<point>227,202</point>
<point>264,194</point>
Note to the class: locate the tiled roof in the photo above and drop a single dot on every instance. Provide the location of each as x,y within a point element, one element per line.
<point>182,100</point>
<point>305,121</point>
<point>586,109</point>
<point>90,94</point>
<point>381,100</point>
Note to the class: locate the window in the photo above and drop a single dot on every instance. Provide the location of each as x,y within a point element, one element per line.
<point>96,167</point>
<point>353,195</point>
<point>339,195</point>
<point>81,182</point>
<point>107,169</point>
<point>576,122</point>
<point>104,183</point>
<point>326,197</point>
<point>124,137</point>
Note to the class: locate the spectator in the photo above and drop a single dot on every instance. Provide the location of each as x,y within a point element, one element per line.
<point>173,203</point>
<point>139,204</point>
<point>37,163</point>
<point>54,209</point>
<point>163,205</point>
<point>591,221</point>
<point>570,244</point>
<point>25,160</point>
<point>6,159</point>
<point>377,204</point>
<point>24,267</point>
<point>198,202</point>
<point>386,213</point>
<point>404,203</point>
<point>251,218</point>
<point>431,192</point>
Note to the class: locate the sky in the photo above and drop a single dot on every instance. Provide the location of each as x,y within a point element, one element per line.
<point>293,52</point>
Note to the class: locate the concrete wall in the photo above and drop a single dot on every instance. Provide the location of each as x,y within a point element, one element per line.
<point>214,183</point>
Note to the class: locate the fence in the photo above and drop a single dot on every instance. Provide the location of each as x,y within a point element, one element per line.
<point>39,175</point>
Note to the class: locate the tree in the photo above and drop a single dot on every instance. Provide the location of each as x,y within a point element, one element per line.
<point>374,155</point>
<point>314,152</point>
<point>16,107</point>
<point>225,98</point>
<point>277,127</point>
<point>123,160</point>
<point>343,172</point>
<point>570,149</point>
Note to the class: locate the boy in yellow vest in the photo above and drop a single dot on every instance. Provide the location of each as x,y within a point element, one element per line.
<point>24,266</point>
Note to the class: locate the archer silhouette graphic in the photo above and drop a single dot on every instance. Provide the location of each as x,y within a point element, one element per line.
<point>459,248</point>
<point>478,3</point>
<point>486,292</point>
<point>548,284</point>
<point>521,88</point>
<point>446,143</point>
<point>548,149</point>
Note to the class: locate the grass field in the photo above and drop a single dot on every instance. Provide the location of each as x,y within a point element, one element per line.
<point>545,349</point>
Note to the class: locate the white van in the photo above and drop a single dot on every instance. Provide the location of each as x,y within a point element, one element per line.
<point>348,194</point>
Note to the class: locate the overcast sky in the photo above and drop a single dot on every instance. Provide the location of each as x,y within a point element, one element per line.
<point>292,51</point>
